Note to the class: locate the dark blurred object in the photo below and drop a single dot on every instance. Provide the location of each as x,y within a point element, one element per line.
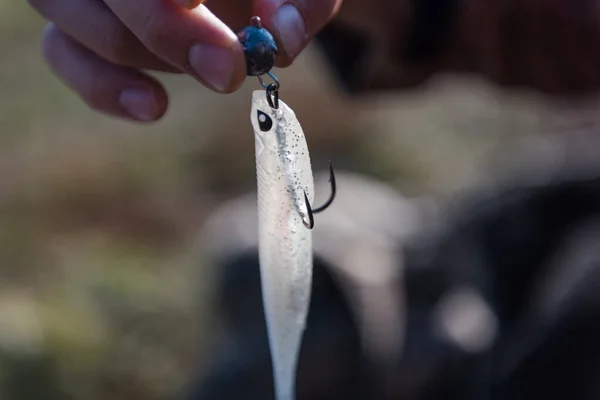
<point>530,252</point>
<point>329,362</point>
<point>501,304</point>
<point>552,45</point>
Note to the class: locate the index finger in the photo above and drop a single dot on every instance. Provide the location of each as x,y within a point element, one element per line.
<point>194,40</point>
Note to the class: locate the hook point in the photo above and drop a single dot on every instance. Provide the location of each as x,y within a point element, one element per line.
<point>309,213</point>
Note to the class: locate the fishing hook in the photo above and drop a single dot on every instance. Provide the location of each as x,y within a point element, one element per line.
<point>272,90</point>
<point>331,196</point>
<point>311,211</point>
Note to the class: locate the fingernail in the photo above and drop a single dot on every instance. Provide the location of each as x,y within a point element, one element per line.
<point>291,28</point>
<point>214,64</point>
<point>140,104</point>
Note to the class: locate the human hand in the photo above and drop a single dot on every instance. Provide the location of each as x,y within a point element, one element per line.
<point>100,47</point>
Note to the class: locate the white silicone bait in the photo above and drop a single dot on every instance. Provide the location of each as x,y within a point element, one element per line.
<point>285,180</point>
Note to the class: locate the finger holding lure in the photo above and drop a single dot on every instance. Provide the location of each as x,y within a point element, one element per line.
<point>285,190</point>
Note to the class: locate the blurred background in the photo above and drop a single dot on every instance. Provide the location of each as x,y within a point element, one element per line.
<point>101,274</point>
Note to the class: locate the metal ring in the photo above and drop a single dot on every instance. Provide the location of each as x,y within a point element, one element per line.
<point>275,80</point>
<point>273,90</point>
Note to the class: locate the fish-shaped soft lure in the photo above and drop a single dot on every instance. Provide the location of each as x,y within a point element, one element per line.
<point>284,175</point>
<point>285,216</point>
<point>285,192</point>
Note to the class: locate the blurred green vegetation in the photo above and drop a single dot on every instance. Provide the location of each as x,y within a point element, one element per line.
<point>97,221</point>
<point>98,217</point>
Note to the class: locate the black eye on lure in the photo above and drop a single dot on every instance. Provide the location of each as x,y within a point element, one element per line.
<point>265,122</point>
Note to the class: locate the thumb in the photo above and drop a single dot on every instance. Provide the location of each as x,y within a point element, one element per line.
<point>295,22</point>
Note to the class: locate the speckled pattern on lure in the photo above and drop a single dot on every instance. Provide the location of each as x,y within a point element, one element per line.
<point>284,174</point>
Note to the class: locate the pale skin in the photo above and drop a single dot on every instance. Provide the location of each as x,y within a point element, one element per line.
<point>100,48</point>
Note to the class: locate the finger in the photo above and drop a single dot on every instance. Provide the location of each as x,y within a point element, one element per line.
<point>104,86</point>
<point>295,22</point>
<point>194,40</point>
<point>92,24</point>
